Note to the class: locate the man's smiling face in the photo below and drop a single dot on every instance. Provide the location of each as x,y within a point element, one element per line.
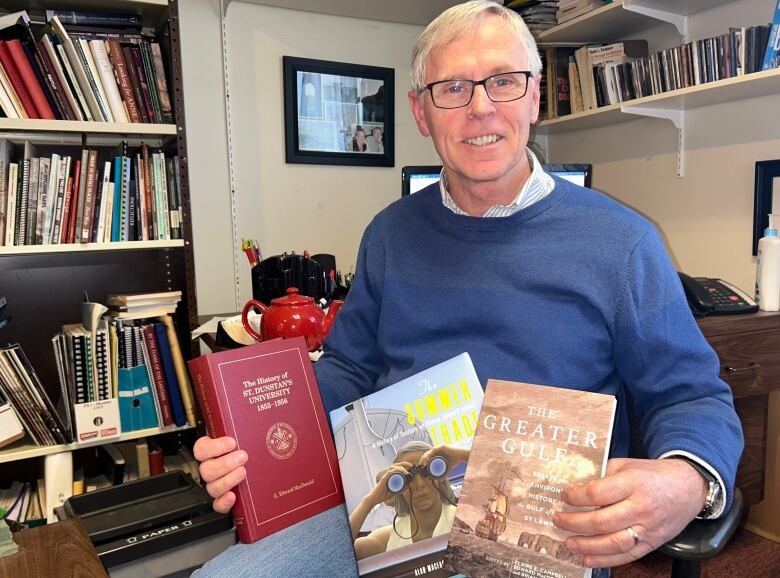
<point>482,144</point>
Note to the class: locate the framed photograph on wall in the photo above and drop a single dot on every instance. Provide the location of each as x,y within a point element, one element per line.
<point>767,198</point>
<point>337,113</point>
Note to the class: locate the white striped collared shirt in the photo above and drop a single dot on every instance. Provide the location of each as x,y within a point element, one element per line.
<point>537,187</point>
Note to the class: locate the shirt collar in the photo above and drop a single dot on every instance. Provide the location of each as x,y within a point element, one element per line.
<point>536,187</point>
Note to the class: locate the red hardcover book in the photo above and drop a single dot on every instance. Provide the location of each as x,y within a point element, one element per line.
<point>17,83</point>
<point>30,80</point>
<point>266,397</point>
<point>157,374</point>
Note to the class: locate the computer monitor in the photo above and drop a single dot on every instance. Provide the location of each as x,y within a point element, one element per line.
<point>418,177</point>
<point>414,178</point>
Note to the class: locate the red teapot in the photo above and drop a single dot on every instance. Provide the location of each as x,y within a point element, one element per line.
<point>291,316</point>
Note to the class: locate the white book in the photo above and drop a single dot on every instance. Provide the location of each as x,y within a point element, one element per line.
<point>106,73</point>
<point>10,427</point>
<point>58,477</point>
<point>5,82</point>
<point>6,105</point>
<point>104,192</point>
<point>94,78</point>
<point>10,213</point>
<point>109,213</point>
<point>43,195</point>
<point>58,70</point>
<point>5,159</point>
<point>78,68</point>
<point>51,197</point>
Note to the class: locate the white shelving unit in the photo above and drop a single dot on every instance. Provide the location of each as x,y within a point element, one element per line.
<point>23,449</point>
<point>624,18</point>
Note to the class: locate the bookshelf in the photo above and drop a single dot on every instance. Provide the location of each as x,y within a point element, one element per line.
<point>45,284</point>
<point>629,19</point>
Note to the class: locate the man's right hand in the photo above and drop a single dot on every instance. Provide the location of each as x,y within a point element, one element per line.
<point>222,468</point>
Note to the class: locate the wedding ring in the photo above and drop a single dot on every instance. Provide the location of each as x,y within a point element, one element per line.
<point>634,534</point>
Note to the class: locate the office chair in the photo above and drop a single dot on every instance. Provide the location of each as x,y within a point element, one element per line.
<point>702,539</point>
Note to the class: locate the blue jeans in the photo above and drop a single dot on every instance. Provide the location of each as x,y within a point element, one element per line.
<point>319,546</point>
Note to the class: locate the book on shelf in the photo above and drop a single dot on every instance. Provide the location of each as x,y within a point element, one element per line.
<point>11,428</point>
<point>772,52</point>
<point>433,408</point>
<point>532,442</point>
<point>266,397</point>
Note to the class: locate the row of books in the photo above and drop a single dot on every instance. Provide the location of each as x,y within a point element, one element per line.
<point>31,405</point>
<point>137,362</point>
<point>571,9</point>
<point>25,503</point>
<point>539,15</point>
<point>75,72</point>
<point>96,198</point>
<point>591,76</point>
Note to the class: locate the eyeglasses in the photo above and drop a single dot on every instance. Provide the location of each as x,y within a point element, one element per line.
<point>499,88</point>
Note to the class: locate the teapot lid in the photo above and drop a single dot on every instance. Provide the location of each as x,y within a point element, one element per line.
<point>293,298</point>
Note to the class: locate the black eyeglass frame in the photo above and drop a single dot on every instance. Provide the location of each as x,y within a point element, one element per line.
<point>475,84</point>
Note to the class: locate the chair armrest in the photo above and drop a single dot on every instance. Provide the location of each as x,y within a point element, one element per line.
<point>705,538</point>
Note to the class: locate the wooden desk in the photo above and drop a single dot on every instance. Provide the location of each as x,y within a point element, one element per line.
<point>749,350</point>
<point>62,549</point>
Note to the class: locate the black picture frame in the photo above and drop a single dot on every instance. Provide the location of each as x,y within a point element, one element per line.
<point>763,204</point>
<point>327,105</point>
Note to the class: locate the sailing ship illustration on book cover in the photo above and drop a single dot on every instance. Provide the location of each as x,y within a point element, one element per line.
<point>437,408</point>
<point>532,442</point>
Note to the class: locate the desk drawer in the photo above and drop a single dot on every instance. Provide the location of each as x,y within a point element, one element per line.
<point>749,362</point>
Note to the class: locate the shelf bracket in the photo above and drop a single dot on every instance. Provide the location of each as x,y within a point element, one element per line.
<point>224,5</point>
<point>680,21</point>
<point>677,117</point>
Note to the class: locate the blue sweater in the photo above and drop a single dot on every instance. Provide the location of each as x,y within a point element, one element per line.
<point>574,291</point>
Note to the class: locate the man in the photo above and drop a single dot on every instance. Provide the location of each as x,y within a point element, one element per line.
<point>375,144</point>
<point>540,281</point>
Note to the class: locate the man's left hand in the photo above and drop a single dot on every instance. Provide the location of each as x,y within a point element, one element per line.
<point>640,505</point>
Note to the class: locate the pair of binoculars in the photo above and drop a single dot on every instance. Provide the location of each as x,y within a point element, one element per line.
<point>436,468</point>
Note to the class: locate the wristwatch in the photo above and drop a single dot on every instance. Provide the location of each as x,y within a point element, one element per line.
<point>713,487</point>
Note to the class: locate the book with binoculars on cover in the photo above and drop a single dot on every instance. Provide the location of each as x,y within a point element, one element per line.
<point>402,455</point>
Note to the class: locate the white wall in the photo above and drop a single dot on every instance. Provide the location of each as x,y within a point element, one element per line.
<point>706,217</point>
<point>322,209</point>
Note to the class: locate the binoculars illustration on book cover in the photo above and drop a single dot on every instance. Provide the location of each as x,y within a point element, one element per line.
<point>435,469</point>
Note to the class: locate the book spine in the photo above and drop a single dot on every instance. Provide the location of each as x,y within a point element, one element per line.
<point>51,200</point>
<point>157,374</point>
<point>104,204</point>
<point>205,381</point>
<point>127,52</point>
<point>147,362</point>
<point>22,204</point>
<point>29,79</point>
<point>73,81</point>
<point>90,70</point>
<point>62,181</point>
<point>151,83</point>
<point>162,83</point>
<point>117,206</point>
<point>185,387</point>
<point>10,214</point>
<point>123,79</point>
<point>96,19</point>
<point>17,83</point>
<point>140,75</point>
<point>89,197</point>
<point>148,198</point>
<point>106,73</point>
<point>5,158</point>
<point>58,86</point>
<point>43,79</point>
<point>32,201</point>
<point>171,382</point>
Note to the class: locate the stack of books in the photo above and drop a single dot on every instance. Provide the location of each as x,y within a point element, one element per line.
<point>143,305</point>
<point>538,15</point>
<point>87,66</point>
